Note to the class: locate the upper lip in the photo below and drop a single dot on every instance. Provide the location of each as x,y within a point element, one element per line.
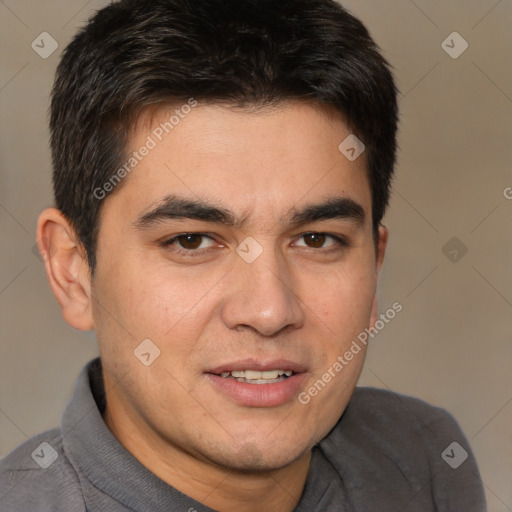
<point>258,365</point>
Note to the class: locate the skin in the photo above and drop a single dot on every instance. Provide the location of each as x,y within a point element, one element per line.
<point>302,299</point>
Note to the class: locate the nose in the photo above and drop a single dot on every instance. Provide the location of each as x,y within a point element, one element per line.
<point>261,296</point>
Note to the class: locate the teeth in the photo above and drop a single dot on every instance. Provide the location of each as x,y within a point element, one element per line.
<point>257,375</point>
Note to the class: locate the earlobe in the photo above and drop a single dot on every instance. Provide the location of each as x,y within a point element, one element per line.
<point>381,251</point>
<point>381,246</point>
<point>66,268</point>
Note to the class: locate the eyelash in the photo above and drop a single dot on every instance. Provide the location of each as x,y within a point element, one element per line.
<point>341,242</point>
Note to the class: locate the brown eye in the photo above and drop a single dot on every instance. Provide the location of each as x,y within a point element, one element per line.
<point>324,241</point>
<point>315,240</point>
<point>191,245</point>
<point>190,241</point>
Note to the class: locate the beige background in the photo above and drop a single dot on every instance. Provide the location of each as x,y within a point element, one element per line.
<point>451,344</point>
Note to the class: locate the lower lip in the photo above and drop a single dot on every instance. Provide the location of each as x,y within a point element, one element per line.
<point>258,395</point>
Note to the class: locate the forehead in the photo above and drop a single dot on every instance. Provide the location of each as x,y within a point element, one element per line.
<point>269,158</point>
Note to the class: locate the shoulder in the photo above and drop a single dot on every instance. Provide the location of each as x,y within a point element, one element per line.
<point>404,447</point>
<point>387,419</point>
<point>381,420</point>
<point>38,476</point>
<point>382,407</point>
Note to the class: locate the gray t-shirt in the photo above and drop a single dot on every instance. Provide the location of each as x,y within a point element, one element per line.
<point>387,453</point>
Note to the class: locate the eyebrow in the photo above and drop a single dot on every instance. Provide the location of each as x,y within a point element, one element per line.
<point>175,207</point>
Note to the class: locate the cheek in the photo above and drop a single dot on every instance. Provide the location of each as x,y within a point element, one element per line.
<point>342,300</point>
<point>133,305</point>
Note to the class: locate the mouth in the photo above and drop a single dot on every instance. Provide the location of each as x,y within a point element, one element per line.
<point>258,377</point>
<point>256,383</point>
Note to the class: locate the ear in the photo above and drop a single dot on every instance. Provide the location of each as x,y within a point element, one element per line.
<point>381,250</point>
<point>66,267</point>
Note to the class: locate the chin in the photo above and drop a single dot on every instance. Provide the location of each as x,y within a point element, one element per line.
<point>259,456</point>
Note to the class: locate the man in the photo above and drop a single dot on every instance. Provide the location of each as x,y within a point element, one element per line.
<point>221,170</point>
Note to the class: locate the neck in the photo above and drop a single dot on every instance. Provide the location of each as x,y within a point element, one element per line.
<point>220,488</point>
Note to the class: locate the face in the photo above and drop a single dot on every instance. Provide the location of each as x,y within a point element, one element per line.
<point>241,246</point>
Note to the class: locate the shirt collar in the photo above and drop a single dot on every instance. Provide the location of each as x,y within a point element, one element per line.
<point>96,454</point>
